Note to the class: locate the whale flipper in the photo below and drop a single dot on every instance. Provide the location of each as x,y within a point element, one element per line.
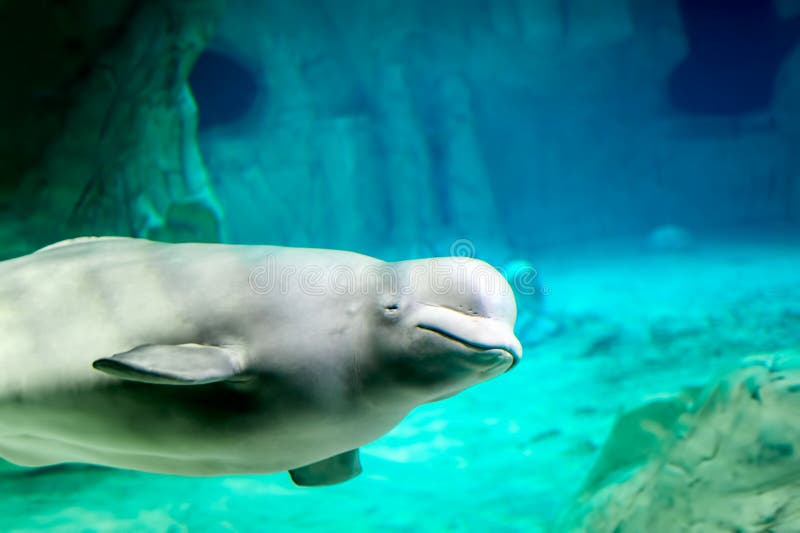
<point>329,471</point>
<point>174,364</point>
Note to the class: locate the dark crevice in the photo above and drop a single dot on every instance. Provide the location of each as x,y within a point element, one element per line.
<point>224,89</point>
<point>735,50</point>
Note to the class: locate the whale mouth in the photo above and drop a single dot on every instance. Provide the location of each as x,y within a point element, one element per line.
<point>488,353</point>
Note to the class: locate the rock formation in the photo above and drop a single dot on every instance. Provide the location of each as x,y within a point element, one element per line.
<point>100,122</point>
<point>724,458</point>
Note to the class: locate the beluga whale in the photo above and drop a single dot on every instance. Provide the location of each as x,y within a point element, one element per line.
<point>214,359</point>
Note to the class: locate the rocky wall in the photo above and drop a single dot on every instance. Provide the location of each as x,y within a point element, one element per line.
<point>106,125</point>
<point>514,123</point>
<point>410,124</point>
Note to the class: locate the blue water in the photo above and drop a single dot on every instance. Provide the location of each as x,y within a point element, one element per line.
<point>638,160</point>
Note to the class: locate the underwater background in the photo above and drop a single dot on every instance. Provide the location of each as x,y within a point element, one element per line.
<point>632,165</point>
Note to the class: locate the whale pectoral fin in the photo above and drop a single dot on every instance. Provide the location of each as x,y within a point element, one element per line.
<point>181,364</point>
<point>329,471</point>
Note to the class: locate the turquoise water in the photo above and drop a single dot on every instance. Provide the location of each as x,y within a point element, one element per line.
<point>507,455</point>
<point>630,167</point>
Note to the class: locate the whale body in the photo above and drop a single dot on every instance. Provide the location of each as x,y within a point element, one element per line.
<point>212,359</point>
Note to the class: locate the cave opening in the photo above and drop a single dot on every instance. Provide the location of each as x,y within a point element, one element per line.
<point>224,89</point>
<point>735,50</point>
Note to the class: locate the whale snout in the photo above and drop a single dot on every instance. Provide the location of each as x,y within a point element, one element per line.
<point>490,339</point>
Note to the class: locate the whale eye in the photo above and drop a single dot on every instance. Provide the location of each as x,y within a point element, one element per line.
<point>392,310</point>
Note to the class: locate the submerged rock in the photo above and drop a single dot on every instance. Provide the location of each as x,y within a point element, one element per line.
<point>669,238</point>
<point>718,459</point>
<point>113,147</point>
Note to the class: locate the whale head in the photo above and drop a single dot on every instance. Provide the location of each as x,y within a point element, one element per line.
<point>441,325</point>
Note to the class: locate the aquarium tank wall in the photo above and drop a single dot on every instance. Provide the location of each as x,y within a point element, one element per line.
<point>631,167</point>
